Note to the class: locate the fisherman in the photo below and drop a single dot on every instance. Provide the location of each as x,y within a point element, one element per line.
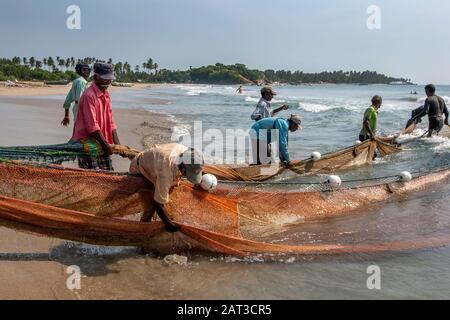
<point>73,97</point>
<point>263,108</point>
<point>261,140</point>
<point>435,108</point>
<point>95,118</point>
<point>164,165</point>
<point>370,121</point>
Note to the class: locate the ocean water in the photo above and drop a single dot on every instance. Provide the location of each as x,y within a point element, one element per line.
<point>332,118</point>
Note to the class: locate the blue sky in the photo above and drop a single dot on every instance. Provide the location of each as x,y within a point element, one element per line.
<point>414,40</point>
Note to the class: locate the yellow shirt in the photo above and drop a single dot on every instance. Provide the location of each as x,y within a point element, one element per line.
<point>159,165</point>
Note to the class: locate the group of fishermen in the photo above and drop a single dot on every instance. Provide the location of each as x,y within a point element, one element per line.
<point>434,107</point>
<point>165,164</point>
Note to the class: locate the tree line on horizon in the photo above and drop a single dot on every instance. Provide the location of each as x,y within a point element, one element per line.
<point>55,69</point>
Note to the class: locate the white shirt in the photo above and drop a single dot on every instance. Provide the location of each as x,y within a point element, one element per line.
<point>263,110</point>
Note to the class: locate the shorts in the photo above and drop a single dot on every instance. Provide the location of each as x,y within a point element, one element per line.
<point>363,138</point>
<point>101,162</point>
<point>435,124</point>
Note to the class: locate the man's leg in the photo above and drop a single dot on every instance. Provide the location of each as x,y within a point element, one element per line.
<point>363,138</point>
<point>105,163</point>
<point>149,212</point>
<point>86,162</point>
<point>255,152</point>
<point>434,126</point>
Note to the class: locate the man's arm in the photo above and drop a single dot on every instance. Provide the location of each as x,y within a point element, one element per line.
<point>368,128</point>
<point>115,137</point>
<point>66,106</point>
<point>97,135</point>
<point>283,142</point>
<point>446,113</point>
<point>283,107</point>
<point>164,216</point>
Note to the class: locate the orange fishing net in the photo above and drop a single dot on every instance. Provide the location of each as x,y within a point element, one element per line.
<point>89,207</point>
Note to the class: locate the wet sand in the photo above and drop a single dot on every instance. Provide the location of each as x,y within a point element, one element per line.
<point>32,267</point>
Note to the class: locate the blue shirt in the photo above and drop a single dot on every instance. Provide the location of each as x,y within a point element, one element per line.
<point>282,125</point>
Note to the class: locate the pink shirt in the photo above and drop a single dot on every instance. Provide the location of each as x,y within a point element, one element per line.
<point>94,113</point>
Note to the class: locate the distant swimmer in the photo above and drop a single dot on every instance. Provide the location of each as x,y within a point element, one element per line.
<point>263,109</point>
<point>370,121</point>
<point>240,90</point>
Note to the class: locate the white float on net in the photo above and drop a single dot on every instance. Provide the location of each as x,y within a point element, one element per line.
<point>209,182</point>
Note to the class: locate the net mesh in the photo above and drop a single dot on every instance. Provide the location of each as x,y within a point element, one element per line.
<point>102,208</point>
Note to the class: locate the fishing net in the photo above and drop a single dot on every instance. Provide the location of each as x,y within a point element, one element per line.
<point>59,153</point>
<point>353,156</point>
<point>103,208</point>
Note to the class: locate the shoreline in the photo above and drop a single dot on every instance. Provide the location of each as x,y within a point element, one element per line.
<point>49,90</point>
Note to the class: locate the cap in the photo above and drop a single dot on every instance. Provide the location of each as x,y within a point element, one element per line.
<point>193,162</point>
<point>104,71</point>
<point>81,66</point>
<point>296,119</point>
<point>268,90</point>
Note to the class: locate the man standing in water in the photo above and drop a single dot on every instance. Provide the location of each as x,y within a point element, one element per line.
<point>435,108</point>
<point>75,93</point>
<point>262,137</point>
<point>370,121</point>
<point>263,108</point>
<point>95,118</point>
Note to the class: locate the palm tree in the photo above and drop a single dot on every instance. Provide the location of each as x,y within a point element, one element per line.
<point>32,62</point>
<point>51,63</point>
<point>38,64</point>
<point>67,63</point>
<point>136,69</point>
<point>149,65</point>
<point>61,63</point>
<point>126,67</point>
<point>45,62</point>
<point>156,66</point>
<point>25,61</point>
<point>110,60</point>
<point>118,68</point>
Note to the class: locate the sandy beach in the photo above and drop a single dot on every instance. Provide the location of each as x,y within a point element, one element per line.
<point>39,89</point>
<point>31,265</point>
